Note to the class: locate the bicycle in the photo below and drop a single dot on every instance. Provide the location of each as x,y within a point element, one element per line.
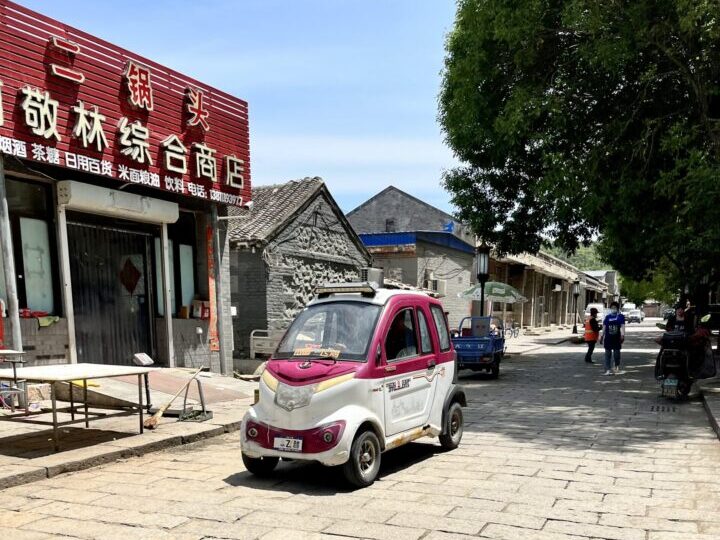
<point>512,331</point>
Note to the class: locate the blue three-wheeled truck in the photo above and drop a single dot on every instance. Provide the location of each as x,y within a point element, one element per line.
<point>480,344</point>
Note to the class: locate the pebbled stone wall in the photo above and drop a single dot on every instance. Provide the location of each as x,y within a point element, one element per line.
<point>270,286</point>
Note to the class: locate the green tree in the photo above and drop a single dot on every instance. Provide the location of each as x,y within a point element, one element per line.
<point>584,258</point>
<point>582,117</point>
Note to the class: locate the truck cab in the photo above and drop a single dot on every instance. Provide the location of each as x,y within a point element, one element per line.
<point>480,344</point>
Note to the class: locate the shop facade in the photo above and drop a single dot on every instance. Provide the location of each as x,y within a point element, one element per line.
<point>115,173</point>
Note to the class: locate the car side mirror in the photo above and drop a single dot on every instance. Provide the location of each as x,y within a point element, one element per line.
<point>378,355</point>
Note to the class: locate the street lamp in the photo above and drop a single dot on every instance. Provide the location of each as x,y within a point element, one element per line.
<point>576,293</point>
<point>482,264</point>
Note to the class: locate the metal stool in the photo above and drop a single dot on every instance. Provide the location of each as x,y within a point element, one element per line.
<point>19,386</point>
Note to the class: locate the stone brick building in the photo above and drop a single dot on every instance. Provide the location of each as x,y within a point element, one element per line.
<point>393,210</point>
<point>294,238</point>
<point>418,244</point>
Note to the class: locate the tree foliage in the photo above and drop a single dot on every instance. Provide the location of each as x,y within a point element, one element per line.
<point>656,289</point>
<point>584,258</point>
<point>582,117</point>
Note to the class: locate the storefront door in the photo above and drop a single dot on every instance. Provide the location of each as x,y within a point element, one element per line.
<point>111,289</point>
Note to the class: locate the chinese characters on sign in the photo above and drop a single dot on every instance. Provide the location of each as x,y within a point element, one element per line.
<point>40,113</point>
<point>175,160</point>
<point>89,127</point>
<point>87,105</point>
<point>139,86</point>
<point>135,138</point>
<point>41,117</point>
<point>234,170</point>
<point>65,72</point>
<point>196,108</point>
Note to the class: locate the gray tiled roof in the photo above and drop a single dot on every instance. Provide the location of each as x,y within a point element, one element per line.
<point>272,207</point>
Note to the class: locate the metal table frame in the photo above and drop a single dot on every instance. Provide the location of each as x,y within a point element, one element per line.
<point>72,409</point>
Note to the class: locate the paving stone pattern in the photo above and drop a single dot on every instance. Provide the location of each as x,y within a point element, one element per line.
<point>553,451</point>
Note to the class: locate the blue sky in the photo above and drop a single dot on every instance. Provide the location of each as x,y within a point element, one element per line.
<point>342,89</point>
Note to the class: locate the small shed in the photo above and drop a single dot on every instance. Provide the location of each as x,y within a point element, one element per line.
<point>294,238</point>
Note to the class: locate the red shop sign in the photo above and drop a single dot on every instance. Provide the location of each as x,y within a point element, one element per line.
<point>72,100</point>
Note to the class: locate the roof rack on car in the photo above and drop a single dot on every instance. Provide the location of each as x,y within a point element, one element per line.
<point>365,288</point>
<point>394,284</point>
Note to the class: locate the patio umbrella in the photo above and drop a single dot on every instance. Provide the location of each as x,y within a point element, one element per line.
<point>494,292</point>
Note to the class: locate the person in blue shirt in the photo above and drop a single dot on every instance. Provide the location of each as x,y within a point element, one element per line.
<point>612,337</point>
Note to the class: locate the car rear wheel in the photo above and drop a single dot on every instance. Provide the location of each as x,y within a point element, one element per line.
<point>454,428</point>
<point>683,388</point>
<point>364,464</point>
<point>263,466</point>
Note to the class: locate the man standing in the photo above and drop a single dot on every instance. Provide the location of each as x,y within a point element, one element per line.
<point>613,335</point>
<point>592,334</point>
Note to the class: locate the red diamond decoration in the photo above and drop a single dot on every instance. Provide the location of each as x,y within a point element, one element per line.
<point>130,276</point>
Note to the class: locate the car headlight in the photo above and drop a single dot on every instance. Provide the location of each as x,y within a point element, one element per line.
<point>270,381</point>
<point>293,397</point>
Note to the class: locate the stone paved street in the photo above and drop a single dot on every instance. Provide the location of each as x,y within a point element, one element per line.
<point>552,451</point>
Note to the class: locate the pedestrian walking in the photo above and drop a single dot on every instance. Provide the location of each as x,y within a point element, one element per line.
<point>592,334</point>
<point>612,337</point>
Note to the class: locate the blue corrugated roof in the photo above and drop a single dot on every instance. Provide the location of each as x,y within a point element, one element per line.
<point>445,239</point>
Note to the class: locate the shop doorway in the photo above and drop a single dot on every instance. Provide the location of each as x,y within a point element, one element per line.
<point>110,268</point>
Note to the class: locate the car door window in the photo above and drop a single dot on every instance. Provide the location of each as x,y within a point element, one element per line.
<point>425,341</point>
<point>401,340</point>
<point>442,329</point>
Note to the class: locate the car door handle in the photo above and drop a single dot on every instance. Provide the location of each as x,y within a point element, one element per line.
<point>431,364</point>
<point>390,368</point>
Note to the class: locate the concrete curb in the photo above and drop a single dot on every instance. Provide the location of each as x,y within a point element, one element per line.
<point>168,435</point>
<point>711,404</point>
<point>536,346</point>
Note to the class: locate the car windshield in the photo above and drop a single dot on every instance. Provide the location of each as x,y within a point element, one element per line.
<point>335,330</point>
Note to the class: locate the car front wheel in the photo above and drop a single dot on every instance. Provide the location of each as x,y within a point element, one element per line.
<point>364,464</point>
<point>260,466</point>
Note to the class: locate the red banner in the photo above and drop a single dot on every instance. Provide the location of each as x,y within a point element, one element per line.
<point>72,100</point>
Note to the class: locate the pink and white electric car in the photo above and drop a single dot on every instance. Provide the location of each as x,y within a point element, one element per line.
<point>360,371</point>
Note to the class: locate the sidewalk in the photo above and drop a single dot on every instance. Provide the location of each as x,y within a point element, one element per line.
<point>710,391</point>
<point>26,449</point>
<point>526,343</point>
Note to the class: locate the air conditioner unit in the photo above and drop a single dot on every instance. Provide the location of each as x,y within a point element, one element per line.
<point>372,275</point>
<point>441,287</point>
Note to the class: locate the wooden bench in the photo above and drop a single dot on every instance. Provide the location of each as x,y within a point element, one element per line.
<point>264,341</point>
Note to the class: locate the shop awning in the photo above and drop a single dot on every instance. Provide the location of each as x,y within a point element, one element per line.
<point>544,264</point>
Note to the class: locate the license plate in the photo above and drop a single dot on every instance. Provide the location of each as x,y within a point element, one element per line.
<point>288,444</point>
<point>670,382</point>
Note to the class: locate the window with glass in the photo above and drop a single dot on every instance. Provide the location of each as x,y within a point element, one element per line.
<point>34,249</point>
<point>401,340</point>
<point>336,330</point>
<point>441,327</point>
<point>181,249</point>
<point>425,341</point>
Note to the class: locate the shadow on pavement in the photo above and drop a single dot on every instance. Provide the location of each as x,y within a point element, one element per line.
<point>548,400</point>
<point>551,399</point>
<point>40,443</point>
<point>299,477</point>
